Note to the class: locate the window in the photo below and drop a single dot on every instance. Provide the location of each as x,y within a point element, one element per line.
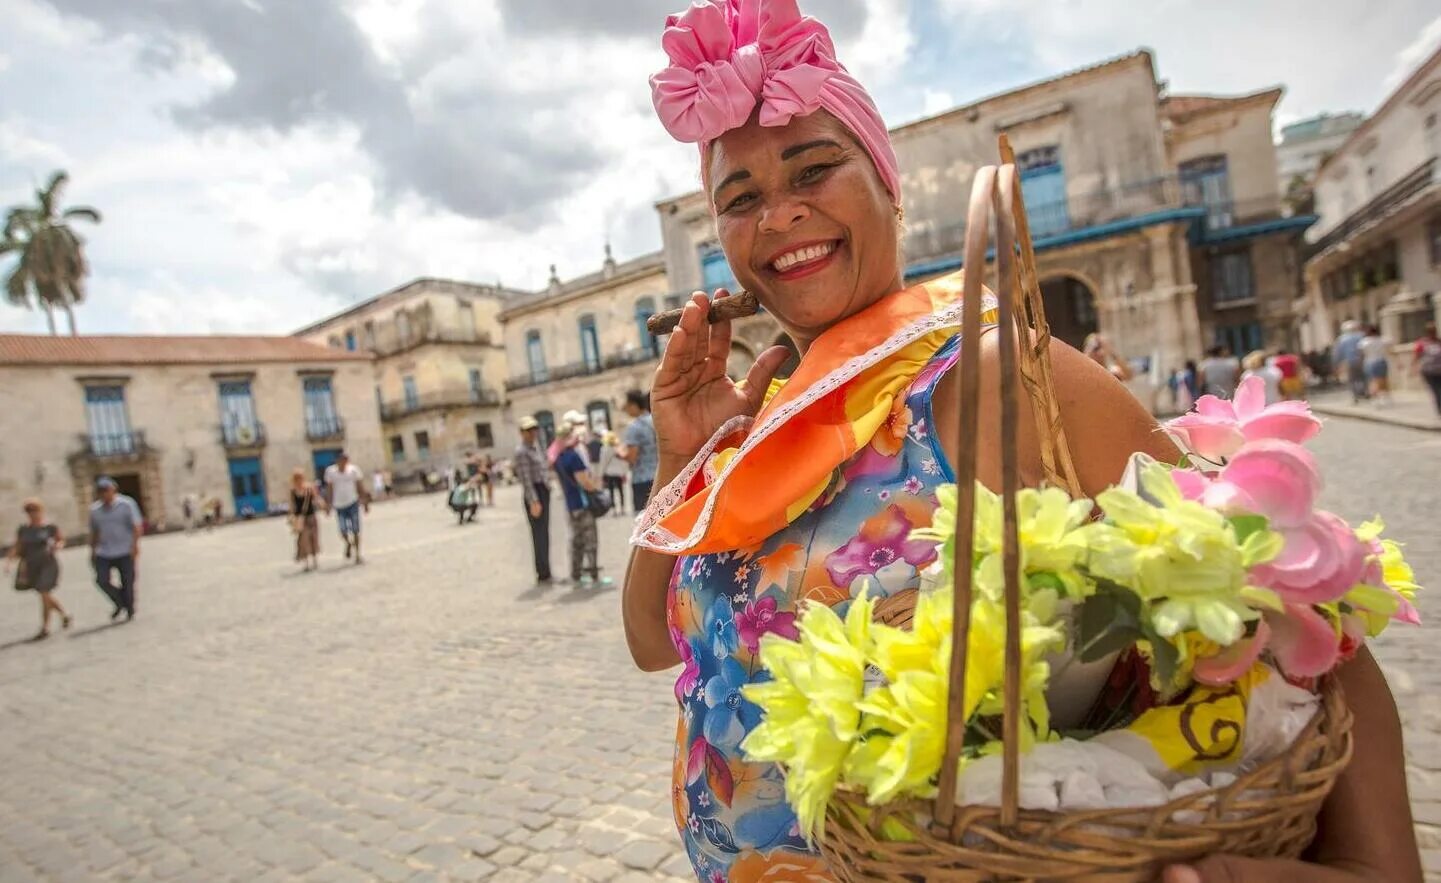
<point>484,438</point>
<point>350,341</point>
<point>1240,339</point>
<point>412,397</point>
<point>1433,236</point>
<point>477,389</point>
<point>674,301</point>
<point>320,417</point>
<point>589,343</point>
<point>397,449</point>
<point>237,412</point>
<point>1231,279</point>
<point>402,327</point>
<point>467,320</point>
<point>1207,182</point>
<point>335,341</point>
<point>1043,187</point>
<point>422,445</point>
<point>546,419</point>
<point>644,309</point>
<point>598,414</point>
<point>108,421</point>
<point>715,272</point>
<point>370,335</point>
<point>535,355</point>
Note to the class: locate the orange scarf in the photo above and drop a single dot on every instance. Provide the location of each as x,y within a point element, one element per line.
<point>756,475</point>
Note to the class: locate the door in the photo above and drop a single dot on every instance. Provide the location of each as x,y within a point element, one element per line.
<point>323,458</point>
<point>247,485</point>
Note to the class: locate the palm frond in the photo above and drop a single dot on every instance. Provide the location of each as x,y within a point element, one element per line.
<point>82,211</point>
<point>50,196</point>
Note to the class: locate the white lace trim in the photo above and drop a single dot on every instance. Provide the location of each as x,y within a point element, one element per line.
<point>648,533</point>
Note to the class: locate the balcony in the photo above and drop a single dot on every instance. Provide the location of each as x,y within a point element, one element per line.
<point>242,435</point>
<point>619,359</point>
<point>113,444</point>
<point>440,400</point>
<point>1388,201</point>
<point>389,342</point>
<point>319,429</point>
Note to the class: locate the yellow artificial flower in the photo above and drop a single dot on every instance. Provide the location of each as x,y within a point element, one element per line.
<point>1182,558</point>
<point>811,705</point>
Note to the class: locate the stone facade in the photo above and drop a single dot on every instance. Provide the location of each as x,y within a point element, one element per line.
<point>581,344</point>
<point>440,363</point>
<point>172,440</point>
<point>1377,247</point>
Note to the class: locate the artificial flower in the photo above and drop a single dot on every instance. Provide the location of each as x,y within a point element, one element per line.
<point>1216,429</point>
<point>759,618</point>
<point>811,705</point>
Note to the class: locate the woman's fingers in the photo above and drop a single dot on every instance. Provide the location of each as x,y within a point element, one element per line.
<point>1235,869</point>
<point>719,350</point>
<point>758,379</point>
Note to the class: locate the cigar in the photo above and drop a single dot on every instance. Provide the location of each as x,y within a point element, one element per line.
<point>737,306</point>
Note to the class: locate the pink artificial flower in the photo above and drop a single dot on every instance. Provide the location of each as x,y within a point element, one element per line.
<point>761,618</point>
<point>1217,428</point>
<point>1303,642</point>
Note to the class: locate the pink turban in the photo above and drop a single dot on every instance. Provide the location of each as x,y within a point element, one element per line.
<point>727,56</point>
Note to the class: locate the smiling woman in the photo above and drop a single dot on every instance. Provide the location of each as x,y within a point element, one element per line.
<point>772,495</point>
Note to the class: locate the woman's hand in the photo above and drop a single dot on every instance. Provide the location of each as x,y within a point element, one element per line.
<point>1234,869</point>
<point>692,397</point>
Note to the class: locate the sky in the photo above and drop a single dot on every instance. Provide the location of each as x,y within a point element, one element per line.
<point>261,164</point>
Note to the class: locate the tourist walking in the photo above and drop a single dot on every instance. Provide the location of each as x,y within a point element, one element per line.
<point>1376,361</point>
<point>531,471</point>
<point>613,470</point>
<point>805,190</point>
<point>1426,356</point>
<point>580,487</point>
<point>1255,365</point>
<point>36,542</point>
<point>464,500</point>
<point>1219,372</point>
<point>485,479</point>
<point>639,447</point>
<point>305,502</point>
<point>1293,374</point>
<point>1347,361</point>
<point>377,486</point>
<point>345,493</point>
<point>115,530</point>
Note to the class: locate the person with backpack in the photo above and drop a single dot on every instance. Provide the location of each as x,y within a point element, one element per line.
<point>1427,355</point>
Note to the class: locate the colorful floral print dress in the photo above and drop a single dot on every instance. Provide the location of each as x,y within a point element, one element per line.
<point>732,814</point>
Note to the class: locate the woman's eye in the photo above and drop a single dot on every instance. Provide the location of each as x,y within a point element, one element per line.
<point>740,201</point>
<point>813,173</point>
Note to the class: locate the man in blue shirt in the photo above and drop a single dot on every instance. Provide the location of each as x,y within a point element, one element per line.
<point>640,448</point>
<point>115,529</point>
<point>1346,357</point>
<point>577,484</point>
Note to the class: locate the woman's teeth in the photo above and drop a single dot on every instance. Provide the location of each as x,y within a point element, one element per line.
<point>801,256</point>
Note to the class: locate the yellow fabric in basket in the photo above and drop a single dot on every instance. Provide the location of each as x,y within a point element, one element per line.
<point>1205,730</point>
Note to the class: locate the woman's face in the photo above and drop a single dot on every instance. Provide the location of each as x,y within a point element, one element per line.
<point>805,221</point>
<point>35,514</point>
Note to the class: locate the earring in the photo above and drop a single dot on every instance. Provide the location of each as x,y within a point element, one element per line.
<point>900,213</point>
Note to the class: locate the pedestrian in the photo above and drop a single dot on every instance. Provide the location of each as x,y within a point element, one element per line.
<point>304,503</point>
<point>1427,361</point>
<point>485,479</point>
<point>613,470</point>
<point>115,529</point>
<point>595,444</point>
<point>1347,360</point>
<point>1376,361</point>
<point>1099,349</point>
<point>389,484</point>
<point>345,493</point>
<point>530,470</point>
<point>464,500</point>
<point>36,542</point>
<point>1219,372</point>
<point>1255,366</point>
<point>1293,374</point>
<point>190,509</point>
<point>638,448</point>
<point>378,490</point>
<point>578,485</point>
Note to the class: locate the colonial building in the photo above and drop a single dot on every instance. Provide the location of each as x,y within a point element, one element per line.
<point>1376,251</point>
<point>1157,219</point>
<point>168,417</point>
<point>580,344</point>
<point>1305,144</point>
<point>439,365</point>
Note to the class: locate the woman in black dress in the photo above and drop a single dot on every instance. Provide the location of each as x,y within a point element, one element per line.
<point>304,503</point>
<point>34,547</point>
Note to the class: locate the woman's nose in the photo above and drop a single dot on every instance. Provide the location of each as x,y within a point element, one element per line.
<point>783,217</point>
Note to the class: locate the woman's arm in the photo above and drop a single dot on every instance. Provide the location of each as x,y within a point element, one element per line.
<point>643,606</point>
<point>1365,830</point>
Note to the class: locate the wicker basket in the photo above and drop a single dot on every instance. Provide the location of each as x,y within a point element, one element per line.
<point>1267,812</point>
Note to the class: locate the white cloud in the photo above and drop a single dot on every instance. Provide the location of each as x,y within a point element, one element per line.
<point>1410,58</point>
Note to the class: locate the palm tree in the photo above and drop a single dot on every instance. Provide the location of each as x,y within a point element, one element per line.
<point>51,267</point>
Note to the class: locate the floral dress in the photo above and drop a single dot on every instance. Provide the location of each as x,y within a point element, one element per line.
<point>732,814</point>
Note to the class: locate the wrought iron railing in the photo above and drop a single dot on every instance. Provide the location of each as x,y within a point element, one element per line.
<point>242,435</point>
<point>620,359</point>
<point>1415,181</point>
<point>324,428</point>
<point>113,444</point>
<point>446,398</point>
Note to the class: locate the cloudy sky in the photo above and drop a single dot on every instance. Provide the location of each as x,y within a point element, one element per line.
<point>261,163</point>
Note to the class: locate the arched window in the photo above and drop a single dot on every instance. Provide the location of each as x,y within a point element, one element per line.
<point>535,356</point>
<point>644,309</point>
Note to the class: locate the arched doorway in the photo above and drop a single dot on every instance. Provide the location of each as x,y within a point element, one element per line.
<point>1070,309</point>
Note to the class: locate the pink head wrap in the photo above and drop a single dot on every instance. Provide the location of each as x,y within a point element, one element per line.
<point>727,56</point>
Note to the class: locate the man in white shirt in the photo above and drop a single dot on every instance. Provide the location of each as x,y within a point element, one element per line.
<point>345,492</point>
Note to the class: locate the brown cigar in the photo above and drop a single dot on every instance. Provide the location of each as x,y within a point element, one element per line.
<point>737,306</point>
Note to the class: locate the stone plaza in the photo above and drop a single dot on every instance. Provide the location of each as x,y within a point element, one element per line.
<point>430,715</point>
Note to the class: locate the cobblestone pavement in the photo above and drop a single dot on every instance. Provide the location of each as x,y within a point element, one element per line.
<point>429,715</point>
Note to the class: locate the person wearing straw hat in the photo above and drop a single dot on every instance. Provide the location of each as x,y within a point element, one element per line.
<point>770,495</point>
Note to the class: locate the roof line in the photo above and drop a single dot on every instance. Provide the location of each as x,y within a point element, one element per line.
<point>479,289</point>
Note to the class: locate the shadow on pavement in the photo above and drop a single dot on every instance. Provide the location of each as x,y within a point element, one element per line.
<point>80,633</point>
<point>580,596</point>
<point>536,592</point>
<point>20,642</point>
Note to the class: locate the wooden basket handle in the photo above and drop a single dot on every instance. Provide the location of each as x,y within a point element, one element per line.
<point>1024,340</point>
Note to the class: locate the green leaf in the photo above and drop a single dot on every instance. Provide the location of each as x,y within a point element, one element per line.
<point>1245,525</point>
<point>1106,625</point>
<point>1164,656</point>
